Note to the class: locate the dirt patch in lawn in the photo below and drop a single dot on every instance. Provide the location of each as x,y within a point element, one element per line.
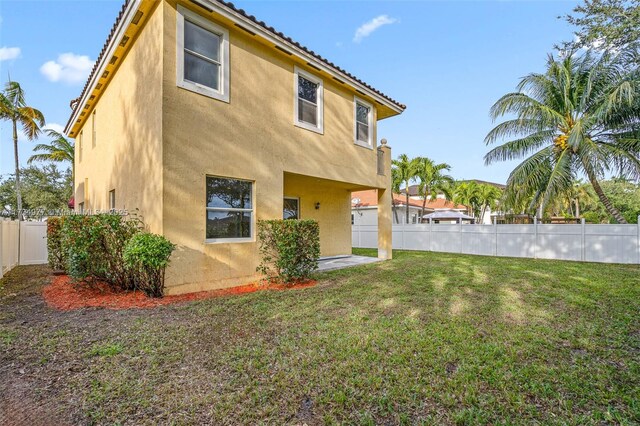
<point>65,294</point>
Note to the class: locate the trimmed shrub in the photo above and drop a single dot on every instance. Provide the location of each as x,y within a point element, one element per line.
<point>56,255</point>
<point>94,246</point>
<point>289,248</point>
<point>147,256</point>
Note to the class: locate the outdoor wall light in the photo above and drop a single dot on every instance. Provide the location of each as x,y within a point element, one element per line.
<point>318,205</point>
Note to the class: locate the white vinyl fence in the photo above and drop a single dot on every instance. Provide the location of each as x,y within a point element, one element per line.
<point>22,243</point>
<point>589,243</point>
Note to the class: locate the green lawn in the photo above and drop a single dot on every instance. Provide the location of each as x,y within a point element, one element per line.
<point>426,338</point>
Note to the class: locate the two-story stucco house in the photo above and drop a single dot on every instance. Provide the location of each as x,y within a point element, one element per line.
<point>207,120</point>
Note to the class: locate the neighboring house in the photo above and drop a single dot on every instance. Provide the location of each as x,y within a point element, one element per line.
<point>206,120</point>
<point>489,215</point>
<point>364,208</point>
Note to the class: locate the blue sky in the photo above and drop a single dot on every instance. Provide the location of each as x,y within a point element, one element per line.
<point>448,61</point>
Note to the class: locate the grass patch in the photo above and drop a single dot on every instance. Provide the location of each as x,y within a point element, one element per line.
<point>105,349</point>
<point>426,338</point>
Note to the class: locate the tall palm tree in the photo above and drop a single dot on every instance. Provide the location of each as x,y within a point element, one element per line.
<point>488,197</point>
<point>14,108</point>
<point>582,116</point>
<point>60,149</point>
<point>468,193</point>
<point>432,179</point>
<point>405,173</point>
<point>396,183</point>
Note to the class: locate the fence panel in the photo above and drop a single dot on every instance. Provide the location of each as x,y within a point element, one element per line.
<point>581,242</point>
<point>9,235</point>
<point>33,243</point>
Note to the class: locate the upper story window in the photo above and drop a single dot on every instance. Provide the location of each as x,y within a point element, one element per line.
<point>308,108</point>
<point>363,121</point>
<point>229,206</point>
<point>202,55</point>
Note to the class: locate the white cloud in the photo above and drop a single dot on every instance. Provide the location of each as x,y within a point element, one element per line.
<point>9,53</point>
<point>369,27</point>
<point>68,68</point>
<point>55,126</point>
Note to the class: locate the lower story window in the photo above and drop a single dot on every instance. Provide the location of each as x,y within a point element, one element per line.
<point>229,206</point>
<point>291,209</point>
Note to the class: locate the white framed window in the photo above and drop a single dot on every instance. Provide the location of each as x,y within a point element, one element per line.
<point>363,123</point>
<point>229,210</point>
<point>308,105</point>
<point>202,55</point>
<point>291,208</point>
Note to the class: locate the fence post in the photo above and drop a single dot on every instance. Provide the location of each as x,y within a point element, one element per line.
<point>430,234</point>
<point>584,246</point>
<point>495,231</point>
<point>535,237</point>
<point>460,234</point>
<point>403,226</point>
<point>1,244</point>
<point>639,239</point>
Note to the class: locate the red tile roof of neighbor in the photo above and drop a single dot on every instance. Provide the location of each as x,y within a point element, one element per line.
<point>75,102</point>
<point>369,198</point>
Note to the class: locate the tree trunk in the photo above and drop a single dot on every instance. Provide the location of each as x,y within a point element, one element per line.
<point>605,200</point>
<point>407,205</point>
<point>424,203</point>
<point>577,207</point>
<point>15,154</point>
<point>395,209</point>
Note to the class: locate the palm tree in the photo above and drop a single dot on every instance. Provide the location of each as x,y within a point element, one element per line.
<point>432,179</point>
<point>396,182</point>
<point>60,149</point>
<point>13,107</point>
<point>488,197</point>
<point>405,173</point>
<point>467,193</point>
<point>582,116</point>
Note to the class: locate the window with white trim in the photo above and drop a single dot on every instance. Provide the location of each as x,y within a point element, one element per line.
<point>202,55</point>
<point>308,108</point>
<point>229,209</point>
<point>363,122</point>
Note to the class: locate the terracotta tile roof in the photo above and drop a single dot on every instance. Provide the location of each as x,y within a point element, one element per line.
<point>369,198</point>
<point>305,49</point>
<point>75,102</point>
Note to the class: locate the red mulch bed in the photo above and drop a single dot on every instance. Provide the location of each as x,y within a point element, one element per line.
<point>65,295</point>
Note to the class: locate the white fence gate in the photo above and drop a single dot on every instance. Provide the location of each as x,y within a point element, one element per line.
<point>23,243</point>
<point>589,243</point>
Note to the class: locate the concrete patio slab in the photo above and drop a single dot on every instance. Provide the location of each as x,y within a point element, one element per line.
<point>340,262</point>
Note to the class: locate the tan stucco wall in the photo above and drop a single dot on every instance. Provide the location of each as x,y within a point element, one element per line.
<point>333,214</point>
<point>253,137</point>
<point>127,155</point>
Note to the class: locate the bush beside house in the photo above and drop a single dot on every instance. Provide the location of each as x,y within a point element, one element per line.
<point>93,248</point>
<point>290,249</point>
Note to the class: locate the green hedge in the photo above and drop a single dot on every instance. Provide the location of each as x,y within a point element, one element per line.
<point>110,248</point>
<point>56,254</point>
<point>289,248</point>
<point>147,256</point>
<point>94,247</point>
